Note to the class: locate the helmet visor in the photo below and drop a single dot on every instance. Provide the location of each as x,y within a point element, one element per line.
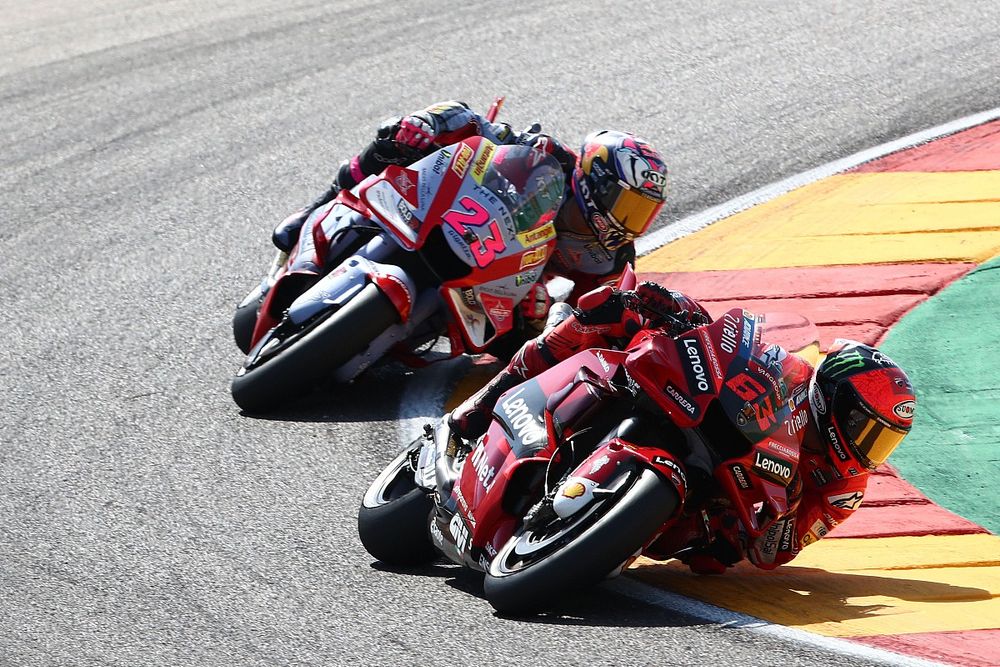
<point>627,208</point>
<point>870,439</point>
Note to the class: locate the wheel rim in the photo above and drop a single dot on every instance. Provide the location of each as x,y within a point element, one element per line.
<point>394,481</point>
<point>533,544</point>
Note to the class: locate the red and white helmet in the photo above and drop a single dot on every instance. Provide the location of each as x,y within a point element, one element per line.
<point>620,184</point>
<point>863,405</point>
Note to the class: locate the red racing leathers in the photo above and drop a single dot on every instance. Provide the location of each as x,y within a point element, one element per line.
<point>821,497</point>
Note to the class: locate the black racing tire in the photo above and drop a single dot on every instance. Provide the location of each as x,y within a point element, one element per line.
<point>586,550</point>
<point>315,355</point>
<point>245,319</point>
<point>393,518</point>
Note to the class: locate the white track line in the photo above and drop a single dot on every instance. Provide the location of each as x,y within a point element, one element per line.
<point>671,232</point>
<point>430,392</point>
<point>723,617</point>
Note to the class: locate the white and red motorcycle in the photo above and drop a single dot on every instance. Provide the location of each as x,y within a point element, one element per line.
<point>447,246</point>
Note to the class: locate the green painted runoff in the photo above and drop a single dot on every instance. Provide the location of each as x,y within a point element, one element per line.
<point>950,348</point>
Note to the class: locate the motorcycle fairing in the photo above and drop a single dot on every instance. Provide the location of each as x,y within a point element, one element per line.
<point>503,231</point>
<point>518,438</point>
<point>724,363</point>
<point>343,283</point>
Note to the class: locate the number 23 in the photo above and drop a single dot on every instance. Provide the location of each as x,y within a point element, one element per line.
<point>485,250</point>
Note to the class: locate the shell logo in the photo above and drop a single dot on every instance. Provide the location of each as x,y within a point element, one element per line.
<point>574,490</point>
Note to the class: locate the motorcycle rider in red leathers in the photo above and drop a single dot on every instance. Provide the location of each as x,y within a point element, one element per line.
<point>861,402</point>
<point>618,185</point>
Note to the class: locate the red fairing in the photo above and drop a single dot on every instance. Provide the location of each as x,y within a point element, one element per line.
<point>605,460</point>
<point>726,364</point>
<point>493,462</point>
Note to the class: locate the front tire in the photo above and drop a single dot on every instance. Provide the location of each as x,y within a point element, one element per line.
<point>311,357</point>
<point>393,518</point>
<point>245,319</point>
<point>541,563</point>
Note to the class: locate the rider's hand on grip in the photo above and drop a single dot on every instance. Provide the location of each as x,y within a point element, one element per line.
<point>414,132</point>
<point>536,303</point>
<point>666,308</point>
<point>606,308</point>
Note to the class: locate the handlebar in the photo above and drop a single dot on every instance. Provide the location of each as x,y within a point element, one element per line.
<point>678,322</point>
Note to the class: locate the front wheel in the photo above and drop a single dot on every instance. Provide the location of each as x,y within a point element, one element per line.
<point>548,558</point>
<point>393,518</point>
<point>285,369</point>
<point>245,319</point>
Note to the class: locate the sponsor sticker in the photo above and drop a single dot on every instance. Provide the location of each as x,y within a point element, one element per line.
<point>484,471</point>
<point>681,400</point>
<point>904,410</point>
<point>500,309</point>
<point>535,236</point>
<point>741,477</point>
<point>773,467</point>
<point>462,160</point>
<point>784,450</point>
<point>730,330</point>
<point>486,151</point>
<point>518,413</point>
<point>819,528</point>
<point>838,446</point>
<point>601,461</point>
<point>533,257</point>
<point>696,371</point>
<point>847,501</point>
<point>677,473</point>
<point>441,160</point>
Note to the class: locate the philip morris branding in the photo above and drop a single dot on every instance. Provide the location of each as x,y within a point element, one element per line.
<point>520,412</point>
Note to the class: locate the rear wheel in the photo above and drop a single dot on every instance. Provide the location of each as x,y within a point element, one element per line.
<point>551,556</point>
<point>393,518</point>
<point>282,369</point>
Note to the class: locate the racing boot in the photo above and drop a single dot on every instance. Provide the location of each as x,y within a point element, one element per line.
<point>286,234</point>
<point>471,419</point>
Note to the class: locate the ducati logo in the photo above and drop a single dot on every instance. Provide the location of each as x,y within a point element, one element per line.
<point>404,183</point>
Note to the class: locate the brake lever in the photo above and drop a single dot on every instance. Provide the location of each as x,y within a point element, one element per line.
<point>678,324</point>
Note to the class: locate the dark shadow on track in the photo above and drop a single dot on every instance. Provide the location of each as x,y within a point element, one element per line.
<point>373,397</point>
<point>597,606</point>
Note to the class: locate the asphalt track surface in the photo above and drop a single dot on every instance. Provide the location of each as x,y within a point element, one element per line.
<point>148,148</point>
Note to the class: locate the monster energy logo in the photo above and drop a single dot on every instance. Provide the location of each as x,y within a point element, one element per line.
<point>844,362</point>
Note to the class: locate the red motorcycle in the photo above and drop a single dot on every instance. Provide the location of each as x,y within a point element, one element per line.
<point>605,456</point>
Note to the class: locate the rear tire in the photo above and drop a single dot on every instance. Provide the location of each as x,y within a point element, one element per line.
<point>538,565</point>
<point>393,518</point>
<point>316,354</point>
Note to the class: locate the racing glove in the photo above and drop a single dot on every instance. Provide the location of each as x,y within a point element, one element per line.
<point>658,304</point>
<point>414,132</point>
<point>535,305</point>
<point>604,311</point>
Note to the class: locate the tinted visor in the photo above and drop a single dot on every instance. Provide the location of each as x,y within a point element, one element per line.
<point>627,208</point>
<point>870,440</point>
